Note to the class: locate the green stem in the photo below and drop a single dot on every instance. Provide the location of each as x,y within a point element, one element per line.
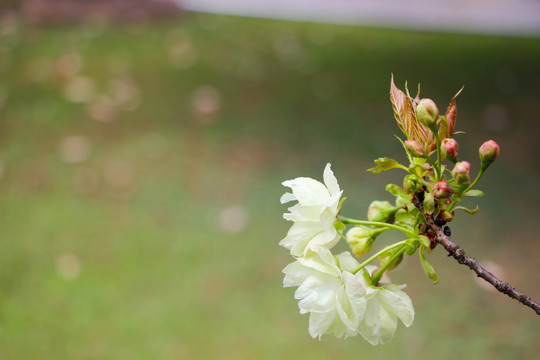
<point>480,173</point>
<point>375,279</point>
<point>403,167</point>
<point>453,203</point>
<point>348,221</point>
<point>438,168</point>
<point>373,257</point>
<point>431,161</point>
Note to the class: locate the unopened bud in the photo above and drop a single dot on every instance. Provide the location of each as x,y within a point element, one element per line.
<point>360,239</point>
<point>381,211</point>
<point>411,184</point>
<point>429,203</point>
<point>489,151</point>
<point>450,149</point>
<point>442,190</point>
<point>386,257</point>
<point>447,216</point>
<point>427,113</point>
<point>414,148</point>
<point>461,172</point>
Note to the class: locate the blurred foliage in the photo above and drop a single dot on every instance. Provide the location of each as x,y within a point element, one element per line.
<point>141,169</point>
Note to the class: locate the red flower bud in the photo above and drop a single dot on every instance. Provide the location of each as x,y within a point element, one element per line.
<point>414,148</point>
<point>461,172</point>
<point>450,149</point>
<point>442,190</point>
<point>427,112</point>
<point>489,151</point>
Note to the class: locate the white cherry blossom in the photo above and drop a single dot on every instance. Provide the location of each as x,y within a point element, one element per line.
<point>314,215</point>
<point>332,295</point>
<point>385,305</point>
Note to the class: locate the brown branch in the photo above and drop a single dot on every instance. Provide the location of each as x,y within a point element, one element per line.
<point>438,235</point>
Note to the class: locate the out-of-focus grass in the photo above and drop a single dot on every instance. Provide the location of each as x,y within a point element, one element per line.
<point>153,233</point>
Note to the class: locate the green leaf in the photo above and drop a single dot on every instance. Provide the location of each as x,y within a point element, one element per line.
<point>385,163</point>
<point>443,128</point>
<point>474,193</point>
<point>424,240</point>
<point>366,276</point>
<point>396,190</point>
<point>341,204</point>
<point>339,225</point>
<point>411,247</point>
<point>469,211</point>
<point>406,152</point>
<point>404,218</point>
<point>428,269</point>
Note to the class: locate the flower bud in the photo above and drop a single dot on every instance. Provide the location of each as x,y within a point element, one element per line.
<point>450,149</point>
<point>429,203</point>
<point>414,148</point>
<point>411,184</point>
<point>442,190</point>
<point>461,172</point>
<point>489,151</point>
<point>360,239</point>
<point>381,211</point>
<point>386,257</point>
<point>427,113</point>
<point>447,216</point>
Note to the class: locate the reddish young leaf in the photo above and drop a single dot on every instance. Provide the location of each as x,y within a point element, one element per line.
<point>403,111</point>
<point>451,114</point>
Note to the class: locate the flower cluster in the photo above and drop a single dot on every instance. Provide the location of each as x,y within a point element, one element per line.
<point>340,299</point>
<point>346,297</point>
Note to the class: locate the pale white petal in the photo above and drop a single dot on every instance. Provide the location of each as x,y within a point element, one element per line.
<point>308,191</point>
<point>339,329</point>
<point>287,197</point>
<point>299,235</point>
<point>317,293</point>
<point>347,262</point>
<point>326,239</point>
<point>350,307</point>
<point>327,217</point>
<point>369,326</point>
<point>295,274</point>
<point>304,213</point>
<point>333,203</point>
<point>355,291</point>
<point>320,322</point>
<point>380,321</point>
<point>387,324</point>
<point>399,303</point>
<point>330,180</point>
<point>323,262</point>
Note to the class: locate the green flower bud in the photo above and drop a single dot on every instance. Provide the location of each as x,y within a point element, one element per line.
<point>447,216</point>
<point>442,190</point>
<point>386,257</point>
<point>360,239</point>
<point>450,149</point>
<point>411,184</point>
<point>427,113</point>
<point>401,202</point>
<point>489,151</point>
<point>429,203</point>
<point>381,211</point>
<point>414,148</point>
<point>461,172</point>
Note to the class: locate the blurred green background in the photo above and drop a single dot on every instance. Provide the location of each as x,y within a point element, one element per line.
<point>141,174</point>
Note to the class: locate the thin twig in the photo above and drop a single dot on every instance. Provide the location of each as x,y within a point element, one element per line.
<point>458,253</point>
